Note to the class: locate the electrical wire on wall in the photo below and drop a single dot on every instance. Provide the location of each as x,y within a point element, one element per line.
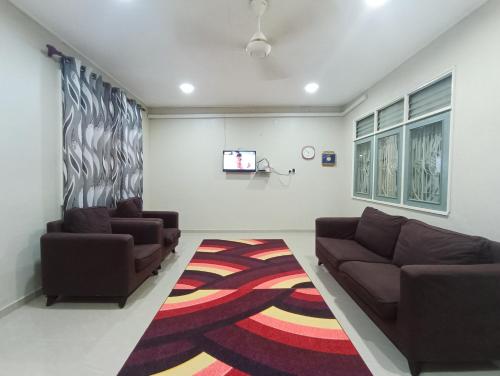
<point>269,169</point>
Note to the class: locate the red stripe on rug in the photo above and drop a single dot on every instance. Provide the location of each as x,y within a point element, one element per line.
<point>343,347</point>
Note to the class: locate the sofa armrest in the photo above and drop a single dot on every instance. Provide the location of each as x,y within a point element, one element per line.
<point>69,259</point>
<point>340,228</point>
<point>144,232</point>
<point>448,310</point>
<point>170,218</point>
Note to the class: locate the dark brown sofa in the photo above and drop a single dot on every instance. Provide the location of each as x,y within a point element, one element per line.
<point>100,264</point>
<point>435,293</point>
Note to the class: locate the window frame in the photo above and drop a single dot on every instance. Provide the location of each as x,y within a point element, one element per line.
<point>402,203</point>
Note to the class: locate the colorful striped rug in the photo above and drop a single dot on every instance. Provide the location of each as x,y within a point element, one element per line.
<point>244,307</point>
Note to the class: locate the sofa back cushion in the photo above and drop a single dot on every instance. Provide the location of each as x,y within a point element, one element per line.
<point>423,244</point>
<point>129,208</point>
<point>378,231</point>
<point>88,220</point>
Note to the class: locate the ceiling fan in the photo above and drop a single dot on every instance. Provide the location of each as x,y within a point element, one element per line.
<point>258,46</point>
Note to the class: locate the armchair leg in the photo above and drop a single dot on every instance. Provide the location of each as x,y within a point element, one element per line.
<point>51,299</point>
<point>159,267</point>
<point>155,272</point>
<point>173,250</point>
<point>320,262</point>
<point>415,367</point>
<point>122,301</point>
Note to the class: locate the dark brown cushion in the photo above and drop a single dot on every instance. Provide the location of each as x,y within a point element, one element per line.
<point>145,254</point>
<point>129,208</point>
<point>88,220</point>
<point>338,251</point>
<point>377,285</point>
<point>422,244</point>
<point>378,231</point>
<point>171,235</point>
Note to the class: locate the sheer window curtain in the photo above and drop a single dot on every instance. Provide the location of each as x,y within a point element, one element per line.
<point>102,140</point>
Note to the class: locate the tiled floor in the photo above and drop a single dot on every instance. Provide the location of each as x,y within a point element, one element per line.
<point>95,338</point>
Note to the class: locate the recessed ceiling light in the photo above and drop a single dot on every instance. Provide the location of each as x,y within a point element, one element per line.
<point>375,3</point>
<point>186,88</point>
<point>311,87</point>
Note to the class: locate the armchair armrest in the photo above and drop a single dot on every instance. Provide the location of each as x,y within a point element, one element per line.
<point>144,232</point>
<point>69,259</point>
<point>340,228</point>
<point>448,310</point>
<point>170,218</point>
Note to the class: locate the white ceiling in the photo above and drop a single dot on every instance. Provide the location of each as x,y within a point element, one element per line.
<point>151,46</point>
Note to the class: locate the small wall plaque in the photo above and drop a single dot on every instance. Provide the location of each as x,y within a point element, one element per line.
<point>329,159</point>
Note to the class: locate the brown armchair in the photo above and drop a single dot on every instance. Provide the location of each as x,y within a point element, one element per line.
<point>131,209</point>
<point>100,265</point>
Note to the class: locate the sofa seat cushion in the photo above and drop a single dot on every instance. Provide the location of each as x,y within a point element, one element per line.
<point>338,251</point>
<point>377,285</point>
<point>423,244</point>
<point>378,231</point>
<point>171,235</point>
<point>145,254</point>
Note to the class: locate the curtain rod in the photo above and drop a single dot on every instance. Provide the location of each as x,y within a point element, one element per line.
<point>52,51</point>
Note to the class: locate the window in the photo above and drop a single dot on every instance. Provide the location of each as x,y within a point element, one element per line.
<point>431,98</point>
<point>365,126</point>
<point>427,162</point>
<point>363,168</point>
<point>411,135</point>
<point>388,166</point>
<point>391,115</point>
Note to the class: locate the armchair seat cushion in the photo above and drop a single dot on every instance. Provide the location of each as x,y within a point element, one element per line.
<point>378,285</point>
<point>171,235</point>
<point>145,254</point>
<point>338,251</point>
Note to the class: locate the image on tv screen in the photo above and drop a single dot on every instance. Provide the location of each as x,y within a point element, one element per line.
<point>236,160</point>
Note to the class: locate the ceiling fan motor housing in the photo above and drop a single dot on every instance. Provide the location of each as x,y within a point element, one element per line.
<point>258,46</point>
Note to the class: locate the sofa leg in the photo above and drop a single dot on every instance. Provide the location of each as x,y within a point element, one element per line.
<point>122,301</point>
<point>173,250</point>
<point>320,262</point>
<point>415,367</point>
<point>51,299</point>
<point>159,267</point>
<point>155,272</point>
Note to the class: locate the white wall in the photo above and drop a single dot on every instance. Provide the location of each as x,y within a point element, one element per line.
<point>473,48</point>
<point>186,172</point>
<point>30,149</point>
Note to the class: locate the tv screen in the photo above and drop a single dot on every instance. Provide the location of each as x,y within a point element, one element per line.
<point>238,160</point>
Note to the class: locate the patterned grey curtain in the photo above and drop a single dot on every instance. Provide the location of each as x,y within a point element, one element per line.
<point>102,140</point>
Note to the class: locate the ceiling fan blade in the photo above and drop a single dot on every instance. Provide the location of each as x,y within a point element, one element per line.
<point>269,69</point>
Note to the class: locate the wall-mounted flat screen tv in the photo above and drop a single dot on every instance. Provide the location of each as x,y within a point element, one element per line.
<point>238,161</point>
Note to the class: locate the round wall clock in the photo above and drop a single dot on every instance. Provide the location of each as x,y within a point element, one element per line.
<point>308,152</point>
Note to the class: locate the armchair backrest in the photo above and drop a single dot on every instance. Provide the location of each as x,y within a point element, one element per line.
<point>55,226</point>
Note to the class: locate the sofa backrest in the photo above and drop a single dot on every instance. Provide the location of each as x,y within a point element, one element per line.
<point>423,244</point>
<point>55,226</point>
<point>495,251</point>
<point>379,231</point>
